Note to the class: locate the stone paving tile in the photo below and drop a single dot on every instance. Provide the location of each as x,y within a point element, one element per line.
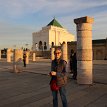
<point>93,94</point>
<point>101,102</point>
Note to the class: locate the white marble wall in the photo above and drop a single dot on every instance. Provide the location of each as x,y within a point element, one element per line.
<point>51,34</point>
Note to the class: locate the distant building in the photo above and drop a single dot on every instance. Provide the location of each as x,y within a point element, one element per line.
<point>51,35</point>
<point>99,48</point>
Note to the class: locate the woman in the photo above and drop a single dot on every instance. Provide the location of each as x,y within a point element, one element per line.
<point>58,70</point>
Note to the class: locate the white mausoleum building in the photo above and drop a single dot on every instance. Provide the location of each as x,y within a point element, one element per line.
<point>52,34</point>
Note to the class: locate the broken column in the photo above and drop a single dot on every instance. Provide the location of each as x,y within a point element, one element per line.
<point>65,55</point>
<point>0,54</point>
<point>84,49</point>
<point>17,59</point>
<point>9,53</point>
<point>106,50</point>
<point>34,56</point>
<point>27,57</point>
<point>64,52</point>
<point>52,53</point>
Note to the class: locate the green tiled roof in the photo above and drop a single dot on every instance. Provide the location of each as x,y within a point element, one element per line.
<point>54,22</point>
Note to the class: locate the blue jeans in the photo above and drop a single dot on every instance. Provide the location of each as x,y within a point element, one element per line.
<point>62,92</point>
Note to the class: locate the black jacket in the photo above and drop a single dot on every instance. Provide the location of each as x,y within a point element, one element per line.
<point>59,66</point>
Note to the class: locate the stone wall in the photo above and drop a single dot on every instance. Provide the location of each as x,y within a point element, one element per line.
<point>99,48</point>
<point>45,54</point>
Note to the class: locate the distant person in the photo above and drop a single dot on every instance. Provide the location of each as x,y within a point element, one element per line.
<point>58,76</point>
<point>24,59</point>
<point>71,54</point>
<point>73,64</point>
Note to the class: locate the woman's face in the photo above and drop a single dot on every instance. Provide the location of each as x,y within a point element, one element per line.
<point>58,54</point>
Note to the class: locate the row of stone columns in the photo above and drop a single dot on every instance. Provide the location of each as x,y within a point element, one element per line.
<point>17,52</point>
<point>18,56</point>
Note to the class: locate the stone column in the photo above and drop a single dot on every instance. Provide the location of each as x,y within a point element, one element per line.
<point>27,57</point>
<point>84,50</point>
<point>14,61</point>
<point>0,54</point>
<point>106,50</point>
<point>64,52</point>
<point>17,54</point>
<point>34,56</point>
<point>65,55</point>
<point>52,53</point>
<point>9,55</point>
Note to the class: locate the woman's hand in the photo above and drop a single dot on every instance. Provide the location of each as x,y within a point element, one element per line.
<point>53,73</point>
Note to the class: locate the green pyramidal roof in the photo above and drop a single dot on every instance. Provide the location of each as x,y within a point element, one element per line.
<point>54,22</point>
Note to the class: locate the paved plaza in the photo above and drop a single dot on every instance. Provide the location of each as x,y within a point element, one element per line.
<point>31,87</point>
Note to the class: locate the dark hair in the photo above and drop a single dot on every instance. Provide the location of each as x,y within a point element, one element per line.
<point>57,49</point>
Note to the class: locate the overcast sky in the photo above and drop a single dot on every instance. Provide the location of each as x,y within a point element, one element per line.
<point>19,18</point>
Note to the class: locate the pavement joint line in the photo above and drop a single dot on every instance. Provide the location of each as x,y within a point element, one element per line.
<point>95,100</point>
<point>100,83</point>
<point>36,73</point>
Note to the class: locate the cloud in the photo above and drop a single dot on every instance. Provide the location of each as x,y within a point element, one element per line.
<point>16,8</point>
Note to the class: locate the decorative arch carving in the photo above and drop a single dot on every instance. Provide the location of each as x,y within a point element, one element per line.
<point>45,46</point>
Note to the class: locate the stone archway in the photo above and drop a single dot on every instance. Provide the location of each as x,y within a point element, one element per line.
<point>45,46</point>
<point>52,44</point>
<point>40,45</point>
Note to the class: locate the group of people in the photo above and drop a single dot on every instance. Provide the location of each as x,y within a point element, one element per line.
<point>58,73</point>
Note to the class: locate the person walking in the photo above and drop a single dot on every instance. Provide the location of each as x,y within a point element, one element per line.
<point>58,73</point>
<point>24,59</point>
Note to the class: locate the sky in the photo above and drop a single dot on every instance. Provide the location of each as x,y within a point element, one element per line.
<point>20,18</point>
